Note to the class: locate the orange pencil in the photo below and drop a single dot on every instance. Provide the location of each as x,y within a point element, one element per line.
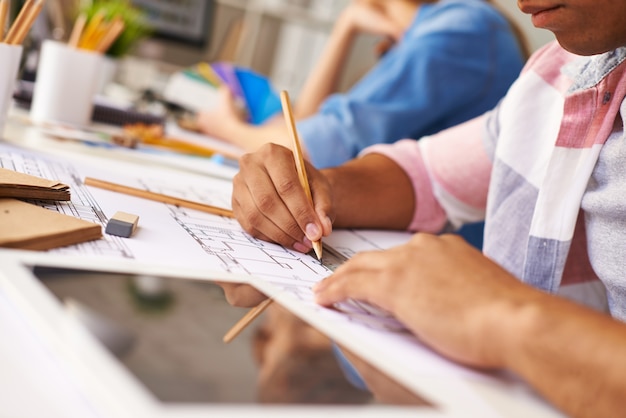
<point>114,30</point>
<point>86,40</point>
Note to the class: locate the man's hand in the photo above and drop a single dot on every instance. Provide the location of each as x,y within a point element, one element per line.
<point>445,291</point>
<point>270,204</point>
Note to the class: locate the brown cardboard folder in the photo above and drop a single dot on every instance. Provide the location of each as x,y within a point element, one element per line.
<point>25,186</point>
<point>27,226</point>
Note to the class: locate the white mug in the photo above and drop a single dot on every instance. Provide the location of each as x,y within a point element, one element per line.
<point>66,83</point>
<point>10,56</point>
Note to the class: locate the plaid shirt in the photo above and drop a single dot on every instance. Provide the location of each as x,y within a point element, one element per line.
<point>545,171</point>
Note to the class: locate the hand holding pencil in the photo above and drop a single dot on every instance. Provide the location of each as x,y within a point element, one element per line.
<point>304,182</point>
<point>299,159</point>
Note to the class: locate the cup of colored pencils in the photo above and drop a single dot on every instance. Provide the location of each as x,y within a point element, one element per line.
<point>12,35</point>
<point>68,74</point>
<point>10,56</point>
<point>66,84</point>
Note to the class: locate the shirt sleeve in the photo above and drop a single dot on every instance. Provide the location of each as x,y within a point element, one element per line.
<point>415,86</point>
<point>450,173</point>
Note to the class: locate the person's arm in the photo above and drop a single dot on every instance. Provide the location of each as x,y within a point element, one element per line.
<point>270,204</point>
<point>226,122</point>
<point>471,310</point>
<point>358,17</point>
<point>371,192</point>
<point>572,355</point>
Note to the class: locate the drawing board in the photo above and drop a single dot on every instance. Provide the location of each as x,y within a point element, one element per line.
<point>58,364</point>
<point>181,243</point>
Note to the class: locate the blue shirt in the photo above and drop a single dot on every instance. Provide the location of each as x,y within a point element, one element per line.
<point>455,62</point>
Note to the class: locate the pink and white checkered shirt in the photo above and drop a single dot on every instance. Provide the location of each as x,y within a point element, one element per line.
<point>545,169</point>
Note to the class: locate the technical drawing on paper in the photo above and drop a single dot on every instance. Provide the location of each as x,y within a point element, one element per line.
<point>226,245</point>
<point>82,205</point>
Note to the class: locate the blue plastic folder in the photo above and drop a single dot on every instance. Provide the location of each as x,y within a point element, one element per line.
<point>252,88</point>
<point>262,101</point>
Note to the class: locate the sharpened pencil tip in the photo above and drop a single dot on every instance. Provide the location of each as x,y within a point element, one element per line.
<point>317,247</point>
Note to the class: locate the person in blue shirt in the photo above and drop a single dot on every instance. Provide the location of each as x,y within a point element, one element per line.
<point>450,61</point>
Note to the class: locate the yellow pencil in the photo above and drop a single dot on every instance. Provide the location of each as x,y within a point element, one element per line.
<point>112,32</point>
<point>91,31</point>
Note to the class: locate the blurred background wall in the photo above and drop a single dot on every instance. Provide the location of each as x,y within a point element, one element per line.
<point>278,38</point>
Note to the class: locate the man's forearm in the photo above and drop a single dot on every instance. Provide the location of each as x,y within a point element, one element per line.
<point>371,192</point>
<point>572,355</point>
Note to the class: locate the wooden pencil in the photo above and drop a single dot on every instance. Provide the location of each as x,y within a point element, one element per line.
<point>157,197</point>
<point>91,31</point>
<point>113,31</point>
<point>19,21</point>
<point>245,320</point>
<point>77,30</point>
<point>31,16</point>
<point>4,12</point>
<point>297,154</point>
<point>304,181</point>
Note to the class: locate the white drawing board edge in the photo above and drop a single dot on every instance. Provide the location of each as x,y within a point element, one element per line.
<point>102,383</point>
<point>492,397</point>
<point>102,374</point>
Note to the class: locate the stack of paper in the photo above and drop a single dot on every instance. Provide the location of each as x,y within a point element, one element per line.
<point>24,186</point>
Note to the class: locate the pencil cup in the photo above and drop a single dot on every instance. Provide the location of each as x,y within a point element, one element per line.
<point>10,56</point>
<point>67,80</point>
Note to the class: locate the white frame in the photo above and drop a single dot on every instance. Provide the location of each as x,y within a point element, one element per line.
<point>117,393</point>
<point>112,390</point>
